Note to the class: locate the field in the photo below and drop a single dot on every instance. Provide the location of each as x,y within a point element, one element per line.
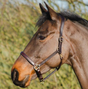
<point>17,26</point>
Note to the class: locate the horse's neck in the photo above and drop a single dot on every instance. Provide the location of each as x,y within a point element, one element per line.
<point>79,60</point>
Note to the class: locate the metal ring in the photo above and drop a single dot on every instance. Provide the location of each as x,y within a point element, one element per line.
<point>37,67</point>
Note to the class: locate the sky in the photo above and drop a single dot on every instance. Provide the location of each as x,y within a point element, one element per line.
<point>61,4</point>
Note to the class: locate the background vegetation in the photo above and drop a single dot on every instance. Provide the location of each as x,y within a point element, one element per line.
<point>17,26</point>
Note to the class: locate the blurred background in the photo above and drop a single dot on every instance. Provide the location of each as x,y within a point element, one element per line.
<point>17,26</point>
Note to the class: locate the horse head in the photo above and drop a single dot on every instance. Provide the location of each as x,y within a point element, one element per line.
<point>45,50</point>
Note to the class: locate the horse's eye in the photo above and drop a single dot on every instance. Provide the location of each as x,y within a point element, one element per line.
<point>42,37</point>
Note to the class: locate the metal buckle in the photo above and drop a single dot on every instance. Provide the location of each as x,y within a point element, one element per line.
<point>37,67</point>
<point>61,57</point>
<point>60,39</point>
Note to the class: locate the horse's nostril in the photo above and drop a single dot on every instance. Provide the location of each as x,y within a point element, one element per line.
<point>14,75</point>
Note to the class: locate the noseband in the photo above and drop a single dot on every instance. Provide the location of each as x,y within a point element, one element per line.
<point>59,51</point>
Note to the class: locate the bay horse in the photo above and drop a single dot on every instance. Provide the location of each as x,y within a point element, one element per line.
<point>62,38</point>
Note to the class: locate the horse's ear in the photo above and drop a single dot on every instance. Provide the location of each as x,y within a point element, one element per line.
<point>43,10</point>
<point>52,13</point>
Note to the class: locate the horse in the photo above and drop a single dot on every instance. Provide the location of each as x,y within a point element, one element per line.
<point>62,38</point>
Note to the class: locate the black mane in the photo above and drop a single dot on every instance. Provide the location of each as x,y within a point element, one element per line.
<point>68,15</point>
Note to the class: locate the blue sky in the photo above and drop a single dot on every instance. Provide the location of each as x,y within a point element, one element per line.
<point>62,4</point>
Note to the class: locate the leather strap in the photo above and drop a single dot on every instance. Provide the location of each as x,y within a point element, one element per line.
<point>36,67</point>
<point>60,40</point>
<point>27,58</point>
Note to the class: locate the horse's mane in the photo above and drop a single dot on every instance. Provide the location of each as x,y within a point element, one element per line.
<point>68,15</point>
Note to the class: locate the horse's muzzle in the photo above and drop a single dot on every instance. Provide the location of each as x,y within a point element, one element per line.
<point>15,76</point>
